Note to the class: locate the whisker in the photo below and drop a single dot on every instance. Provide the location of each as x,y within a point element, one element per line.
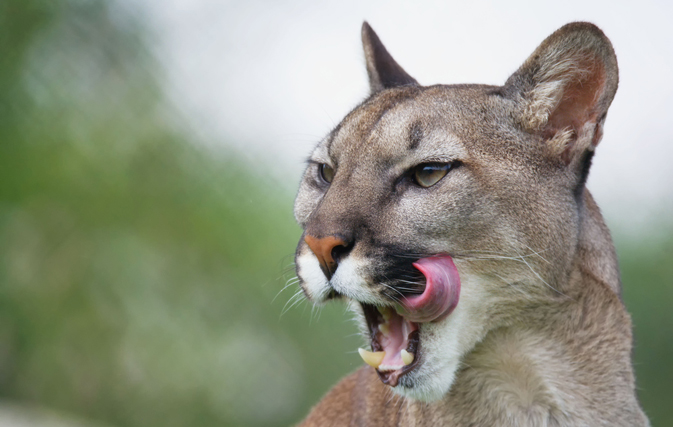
<point>538,254</point>
<point>290,282</point>
<point>544,281</point>
<point>297,298</point>
<point>409,282</point>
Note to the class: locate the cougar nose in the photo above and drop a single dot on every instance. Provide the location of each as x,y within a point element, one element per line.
<point>329,251</point>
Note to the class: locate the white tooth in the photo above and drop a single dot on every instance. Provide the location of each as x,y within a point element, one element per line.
<point>384,328</point>
<point>372,359</point>
<point>407,357</point>
<point>384,368</point>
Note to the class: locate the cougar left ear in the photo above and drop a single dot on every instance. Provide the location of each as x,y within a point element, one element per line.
<point>382,69</point>
<point>565,87</point>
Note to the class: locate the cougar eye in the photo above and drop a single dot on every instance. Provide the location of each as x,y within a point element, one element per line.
<point>326,172</point>
<point>428,174</point>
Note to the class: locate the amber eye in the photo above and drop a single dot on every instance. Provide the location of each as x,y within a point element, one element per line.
<point>326,172</point>
<point>428,174</point>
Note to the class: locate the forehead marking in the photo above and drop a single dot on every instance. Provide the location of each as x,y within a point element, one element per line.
<point>363,120</point>
<point>415,135</point>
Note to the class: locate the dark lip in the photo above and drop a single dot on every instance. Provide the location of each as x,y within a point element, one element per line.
<point>391,378</point>
<point>332,295</point>
<point>402,278</point>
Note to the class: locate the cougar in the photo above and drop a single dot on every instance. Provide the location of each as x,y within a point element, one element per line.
<point>456,223</point>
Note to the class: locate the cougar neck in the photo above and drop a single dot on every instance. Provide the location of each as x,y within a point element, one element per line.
<point>596,253</point>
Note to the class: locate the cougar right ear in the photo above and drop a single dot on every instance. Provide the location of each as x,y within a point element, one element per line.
<point>382,69</point>
<point>565,87</point>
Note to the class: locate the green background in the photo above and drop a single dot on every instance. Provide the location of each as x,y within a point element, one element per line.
<point>142,274</point>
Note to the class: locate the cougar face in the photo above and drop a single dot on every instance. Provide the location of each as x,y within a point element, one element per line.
<point>440,211</point>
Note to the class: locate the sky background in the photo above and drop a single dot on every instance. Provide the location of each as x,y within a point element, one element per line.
<point>272,78</point>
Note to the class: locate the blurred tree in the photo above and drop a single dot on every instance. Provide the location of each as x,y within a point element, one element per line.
<point>647,276</point>
<point>132,260</point>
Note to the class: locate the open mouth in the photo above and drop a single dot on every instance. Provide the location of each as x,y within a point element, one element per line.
<point>395,343</point>
<point>395,333</point>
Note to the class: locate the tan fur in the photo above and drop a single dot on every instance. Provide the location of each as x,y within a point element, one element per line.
<point>540,336</point>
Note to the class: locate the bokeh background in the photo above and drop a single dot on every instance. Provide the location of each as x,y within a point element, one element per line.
<point>149,155</point>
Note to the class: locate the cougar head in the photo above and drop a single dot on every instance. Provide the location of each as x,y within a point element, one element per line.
<point>440,211</point>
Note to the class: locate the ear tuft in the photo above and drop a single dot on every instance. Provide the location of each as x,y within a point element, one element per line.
<point>565,87</point>
<point>382,69</point>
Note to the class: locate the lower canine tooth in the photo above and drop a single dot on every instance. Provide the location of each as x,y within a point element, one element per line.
<point>407,357</point>
<point>372,359</point>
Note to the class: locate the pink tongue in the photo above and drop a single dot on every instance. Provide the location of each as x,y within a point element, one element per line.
<point>442,289</point>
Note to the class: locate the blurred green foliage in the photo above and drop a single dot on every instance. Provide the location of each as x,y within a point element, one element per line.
<point>138,270</point>
<point>647,277</point>
<point>141,274</point>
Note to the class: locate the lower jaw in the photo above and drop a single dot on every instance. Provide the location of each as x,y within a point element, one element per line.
<point>391,377</point>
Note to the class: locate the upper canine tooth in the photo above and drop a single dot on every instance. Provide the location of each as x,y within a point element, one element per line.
<point>384,328</point>
<point>407,357</point>
<point>405,328</point>
<point>372,359</point>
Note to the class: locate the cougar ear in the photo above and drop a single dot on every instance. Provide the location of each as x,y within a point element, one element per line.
<point>565,87</point>
<point>382,69</point>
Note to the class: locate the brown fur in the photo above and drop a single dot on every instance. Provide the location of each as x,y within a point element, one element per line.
<point>540,336</point>
<point>516,382</point>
